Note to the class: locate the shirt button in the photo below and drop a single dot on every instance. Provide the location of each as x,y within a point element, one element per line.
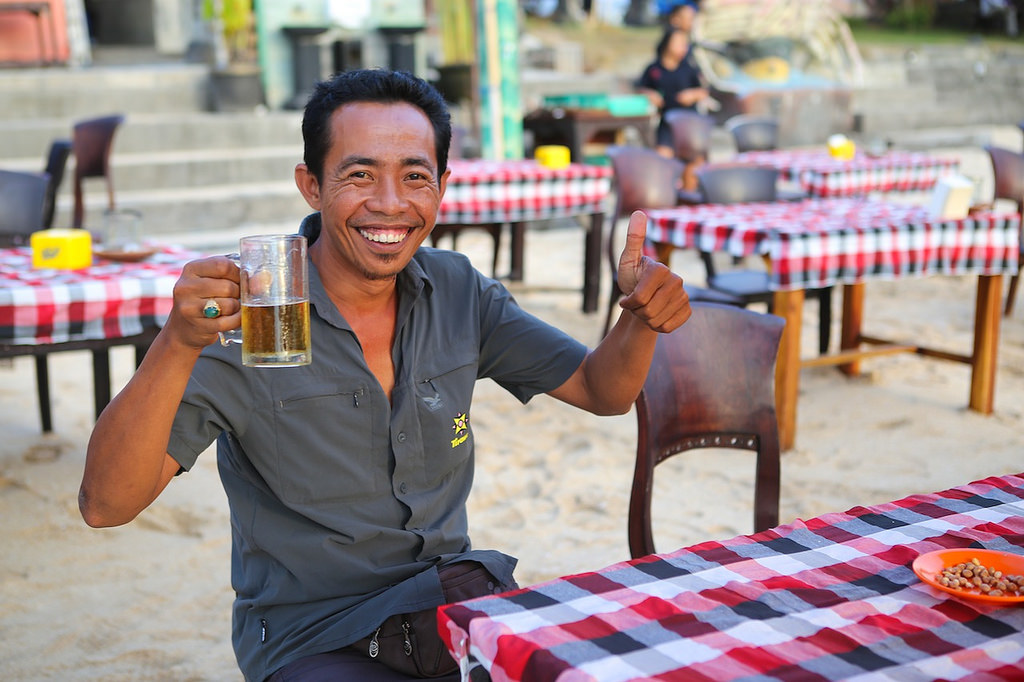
<point>401,437</point>
<point>403,488</point>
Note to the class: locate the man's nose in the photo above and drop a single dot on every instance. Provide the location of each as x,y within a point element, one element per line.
<point>388,196</point>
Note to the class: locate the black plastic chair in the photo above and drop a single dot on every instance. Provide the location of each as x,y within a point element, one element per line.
<point>645,179</point>
<point>56,161</point>
<point>739,183</point>
<point>22,205</point>
<point>753,133</point>
<point>23,199</point>
<point>711,384</point>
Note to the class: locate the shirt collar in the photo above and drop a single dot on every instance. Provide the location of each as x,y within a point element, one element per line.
<point>412,282</point>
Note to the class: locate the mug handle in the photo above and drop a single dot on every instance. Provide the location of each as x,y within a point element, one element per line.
<point>232,335</point>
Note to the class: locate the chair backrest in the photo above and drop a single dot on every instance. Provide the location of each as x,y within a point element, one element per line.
<point>56,161</point>
<point>642,178</point>
<point>710,385</point>
<point>724,183</point>
<point>92,141</point>
<point>691,133</point>
<point>22,203</point>
<point>1008,173</point>
<point>753,133</point>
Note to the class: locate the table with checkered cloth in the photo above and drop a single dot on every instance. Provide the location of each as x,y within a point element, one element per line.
<point>820,242</point>
<point>482,192</point>
<point>821,175</point>
<point>109,300</point>
<point>832,598</point>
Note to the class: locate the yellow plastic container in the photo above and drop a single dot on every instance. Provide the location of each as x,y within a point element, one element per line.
<point>61,249</point>
<point>841,147</point>
<point>552,156</point>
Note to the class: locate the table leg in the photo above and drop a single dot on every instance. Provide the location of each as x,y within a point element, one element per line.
<point>986,343</point>
<point>789,305</point>
<point>592,262</point>
<point>853,319</point>
<point>100,379</point>
<point>517,247</point>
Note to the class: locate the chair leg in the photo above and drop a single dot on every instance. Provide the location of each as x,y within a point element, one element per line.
<point>1011,294</point>
<point>43,390</point>
<point>496,236</point>
<point>824,319</point>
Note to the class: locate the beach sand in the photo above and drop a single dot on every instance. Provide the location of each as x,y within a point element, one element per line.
<point>151,600</point>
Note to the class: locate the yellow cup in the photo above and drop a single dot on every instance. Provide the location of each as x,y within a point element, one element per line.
<point>552,156</point>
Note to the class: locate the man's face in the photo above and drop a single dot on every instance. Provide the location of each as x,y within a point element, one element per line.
<point>682,18</point>
<point>380,191</point>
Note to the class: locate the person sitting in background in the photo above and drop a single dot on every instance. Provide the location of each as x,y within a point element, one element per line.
<point>673,81</point>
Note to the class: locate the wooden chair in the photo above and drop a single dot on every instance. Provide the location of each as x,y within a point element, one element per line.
<point>644,179</point>
<point>91,144</point>
<point>728,183</point>
<point>1008,172</point>
<point>710,385</point>
<point>56,161</point>
<point>455,151</point>
<point>23,199</point>
<point>753,133</point>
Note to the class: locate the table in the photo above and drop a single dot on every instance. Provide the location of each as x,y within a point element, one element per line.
<point>575,128</point>
<point>822,242</point>
<point>821,175</point>
<point>488,193</point>
<point>830,598</point>
<point>37,9</point>
<point>109,304</point>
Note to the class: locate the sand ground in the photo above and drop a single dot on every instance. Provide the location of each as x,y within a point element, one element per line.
<point>151,600</point>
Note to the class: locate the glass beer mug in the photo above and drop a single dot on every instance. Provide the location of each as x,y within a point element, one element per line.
<point>274,283</point>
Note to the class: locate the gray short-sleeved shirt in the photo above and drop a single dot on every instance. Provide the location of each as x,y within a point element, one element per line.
<point>341,502</point>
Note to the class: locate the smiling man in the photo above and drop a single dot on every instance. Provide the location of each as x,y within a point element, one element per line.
<point>347,478</point>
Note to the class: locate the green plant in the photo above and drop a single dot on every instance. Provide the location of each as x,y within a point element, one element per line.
<point>235,24</point>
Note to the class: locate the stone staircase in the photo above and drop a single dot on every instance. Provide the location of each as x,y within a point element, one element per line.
<point>197,177</point>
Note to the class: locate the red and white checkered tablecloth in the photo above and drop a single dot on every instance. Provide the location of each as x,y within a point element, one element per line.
<point>832,598</point>
<point>821,175</point>
<point>821,242</point>
<point>106,301</point>
<point>481,192</point>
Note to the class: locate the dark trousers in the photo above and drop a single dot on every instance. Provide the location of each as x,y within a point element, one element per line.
<point>340,666</point>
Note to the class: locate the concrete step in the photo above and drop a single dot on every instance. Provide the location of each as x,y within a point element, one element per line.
<point>84,92</point>
<point>27,139</point>
<point>177,211</point>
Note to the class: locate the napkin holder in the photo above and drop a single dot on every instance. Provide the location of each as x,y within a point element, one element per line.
<point>951,197</point>
<point>61,249</point>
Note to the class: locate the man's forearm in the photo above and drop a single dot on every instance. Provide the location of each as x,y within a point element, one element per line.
<point>126,464</point>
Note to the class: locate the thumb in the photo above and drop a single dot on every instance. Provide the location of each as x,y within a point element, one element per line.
<point>632,259</point>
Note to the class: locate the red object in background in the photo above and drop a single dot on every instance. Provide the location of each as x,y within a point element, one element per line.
<point>33,33</point>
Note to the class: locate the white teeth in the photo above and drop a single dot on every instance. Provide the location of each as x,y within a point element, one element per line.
<point>384,237</point>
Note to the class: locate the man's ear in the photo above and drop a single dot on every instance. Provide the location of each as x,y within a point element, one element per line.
<point>308,186</point>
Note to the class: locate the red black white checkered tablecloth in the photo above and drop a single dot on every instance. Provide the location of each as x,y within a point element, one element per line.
<point>481,192</point>
<point>106,301</point>
<point>832,598</point>
<point>821,175</point>
<point>821,242</point>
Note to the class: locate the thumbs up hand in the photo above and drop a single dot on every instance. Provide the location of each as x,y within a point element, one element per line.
<point>653,293</point>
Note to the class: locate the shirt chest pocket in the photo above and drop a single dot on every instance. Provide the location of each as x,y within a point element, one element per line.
<point>326,449</point>
<point>443,398</point>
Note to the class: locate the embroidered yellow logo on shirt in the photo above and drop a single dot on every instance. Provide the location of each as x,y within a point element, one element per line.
<point>461,428</point>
